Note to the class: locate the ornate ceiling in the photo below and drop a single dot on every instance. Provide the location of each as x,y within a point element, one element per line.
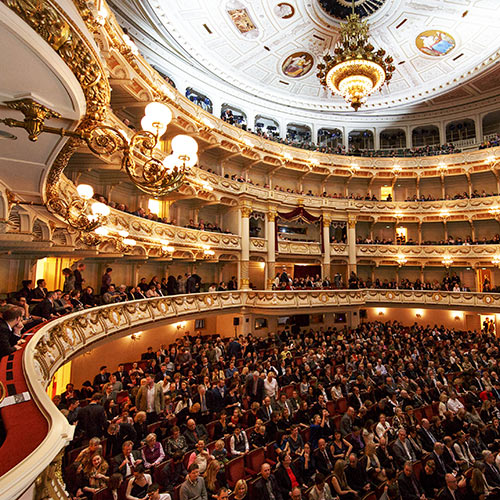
<point>270,49</point>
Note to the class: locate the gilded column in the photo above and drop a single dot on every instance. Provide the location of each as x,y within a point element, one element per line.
<point>326,248</point>
<point>271,247</point>
<point>351,244</point>
<point>245,248</point>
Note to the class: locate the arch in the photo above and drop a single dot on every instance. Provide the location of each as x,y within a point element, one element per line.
<point>491,124</point>
<point>268,125</point>
<point>234,115</point>
<point>393,138</point>
<point>425,135</point>
<point>298,132</point>
<point>330,137</point>
<point>461,130</point>
<point>199,99</point>
<point>361,139</point>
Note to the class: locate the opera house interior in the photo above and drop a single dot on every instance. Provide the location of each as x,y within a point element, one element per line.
<point>250,249</point>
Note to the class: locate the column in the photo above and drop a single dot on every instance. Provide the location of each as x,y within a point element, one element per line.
<point>351,244</point>
<point>345,138</point>
<point>326,248</point>
<point>244,280</point>
<point>376,139</point>
<point>408,132</point>
<point>271,247</point>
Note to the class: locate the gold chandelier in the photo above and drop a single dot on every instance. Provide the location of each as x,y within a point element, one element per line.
<point>149,171</point>
<point>355,70</point>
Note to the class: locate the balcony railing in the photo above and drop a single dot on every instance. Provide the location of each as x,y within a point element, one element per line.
<point>59,340</point>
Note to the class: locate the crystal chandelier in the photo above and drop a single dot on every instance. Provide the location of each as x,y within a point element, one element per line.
<point>355,70</point>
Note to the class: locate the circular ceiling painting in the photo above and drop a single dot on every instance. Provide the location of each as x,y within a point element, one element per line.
<point>435,43</point>
<point>284,10</point>
<point>343,8</point>
<point>297,64</point>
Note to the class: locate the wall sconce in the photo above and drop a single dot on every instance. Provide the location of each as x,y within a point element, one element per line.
<point>402,260</point>
<point>287,156</point>
<point>442,166</point>
<point>444,214</point>
<point>496,260</point>
<point>151,174</point>
<point>135,336</point>
<point>490,159</point>
<point>457,315</point>
<point>180,325</point>
<point>381,311</point>
<point>396,168</point>
<point>419,313</point>
<point>447,261</point>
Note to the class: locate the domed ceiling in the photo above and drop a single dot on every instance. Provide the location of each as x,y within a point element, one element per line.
<point>270,48</point>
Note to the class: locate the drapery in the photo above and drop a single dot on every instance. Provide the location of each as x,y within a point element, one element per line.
<point>300,214</point>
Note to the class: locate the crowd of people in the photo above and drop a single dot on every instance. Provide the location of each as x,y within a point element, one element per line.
<point>352,196</point>
<point>449,283</point>
<point>147,214</point>
<point>302,142</point>
<point>491,143</point>
<point>407,413</point>
<point>450,240</point>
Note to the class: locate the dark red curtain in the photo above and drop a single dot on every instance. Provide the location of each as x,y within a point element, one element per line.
<point>300,213</point>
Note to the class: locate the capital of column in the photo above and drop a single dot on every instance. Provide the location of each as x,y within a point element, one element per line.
<point>245,212</point>
<point>271,215</point>
<point>351,221</point>
<point>326,221</point>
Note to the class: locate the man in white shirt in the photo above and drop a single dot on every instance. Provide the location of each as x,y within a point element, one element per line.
<point>270,386</point>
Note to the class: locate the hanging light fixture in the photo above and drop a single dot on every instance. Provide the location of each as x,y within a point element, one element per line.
<point>141,160</point>
<point>355,70</point>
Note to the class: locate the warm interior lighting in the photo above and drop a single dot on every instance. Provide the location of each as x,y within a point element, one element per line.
<point>401,260</point>
<point>102,231</point>
<point>419,313</point>
<point>85,191</point>
<point>129,242</point>
<point>444,214</point>
<point>355,70</point>
<point>458,315</point>
<point>165,243</point>
<point>100,209</point>
<point>447,261</point>
<point>381,311</point>
<point>123,233</point>
<point>154,206</point>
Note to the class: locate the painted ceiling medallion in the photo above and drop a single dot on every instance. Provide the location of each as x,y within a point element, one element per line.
<point>435,43</point>
<point>241,19</point>
<point>342,8</point>
<point>284,10</point>
<point>297,64</point>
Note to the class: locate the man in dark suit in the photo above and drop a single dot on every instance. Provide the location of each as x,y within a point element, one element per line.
<point>437,456</point>
<point>127,459</point>
<point>255,388</point>
<point>354,399</point>
<point>194,433</point>
<point>323,459</point>
<point>216,396</point>
<point>347,421</point>
<point>451,492</point>
<point>10,329</point>
<point>265,484</point>
<point>409,487</point>
<point>266,410</point>
<point>403,450</point>
<point>426,436</point>
<point>356,476</point>
<point>101,378</point>
<point>491,472</point>
<point>40,292</point>
<point>45,307</point>
<point>92,418</point>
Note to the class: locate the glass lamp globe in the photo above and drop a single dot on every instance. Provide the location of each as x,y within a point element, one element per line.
<point>153,125</point>
<point>184,144</point>
<point>123,233</point>
<point>188,160</point>
<point>99,208</point>
<point>85,191</point>
<point>102,231</point>
<point>129,242</point>
<point>159,112</point>
<point>170,162</point>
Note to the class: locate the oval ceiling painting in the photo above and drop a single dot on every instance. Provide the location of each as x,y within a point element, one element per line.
<point>297,64</point>
<point>435,43</point>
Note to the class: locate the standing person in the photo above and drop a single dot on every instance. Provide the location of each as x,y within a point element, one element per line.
<point>150,398</point>
<point>78,276</point>
<point>106,280</point>
<point>92,418</point>
<point>193,488</point>
<point>69,280</point>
